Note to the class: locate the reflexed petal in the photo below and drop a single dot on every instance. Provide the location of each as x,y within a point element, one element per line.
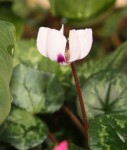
<point>85,38</point>
<point>56,43</point>
<point>62,146</point>
<point>74,46</point>
<point>41,41</point>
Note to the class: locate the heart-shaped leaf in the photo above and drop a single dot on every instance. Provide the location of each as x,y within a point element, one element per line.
<point>105,92</point>
<point>22,130</point>
<point>108,132</point>
<point>7,42</point>
<point>36,91</point>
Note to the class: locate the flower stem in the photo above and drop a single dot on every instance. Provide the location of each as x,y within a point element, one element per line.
<point>52,138</point>
<point>81,103</point>
<point>74,119</point>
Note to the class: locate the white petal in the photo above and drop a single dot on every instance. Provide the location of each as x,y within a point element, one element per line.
<point>86,39</point>
<point>74,46</point>
<point>62,29</point>
<point>56,43</point>
<point>41,40</point>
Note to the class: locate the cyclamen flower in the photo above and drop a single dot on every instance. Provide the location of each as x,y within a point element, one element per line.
<point>52,43</point>
<point>62,146</point>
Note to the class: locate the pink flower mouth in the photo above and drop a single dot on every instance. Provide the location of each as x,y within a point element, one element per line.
<point>60,58</point>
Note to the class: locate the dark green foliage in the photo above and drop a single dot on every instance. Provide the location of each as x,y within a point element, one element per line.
<point>108,132</point>
<point>105,92</point>
<point>23,130</point>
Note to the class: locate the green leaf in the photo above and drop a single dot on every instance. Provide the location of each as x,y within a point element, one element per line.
<point>36,91</point>
<point>23,130</point>
<point>115,60</point>
<point>7,42</point>
<point>108,132</point>
<point>80,9</point>
<point>74,147</point>
<point>105,92</point>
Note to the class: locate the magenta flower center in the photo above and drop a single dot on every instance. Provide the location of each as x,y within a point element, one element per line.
<point>60,58</point>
